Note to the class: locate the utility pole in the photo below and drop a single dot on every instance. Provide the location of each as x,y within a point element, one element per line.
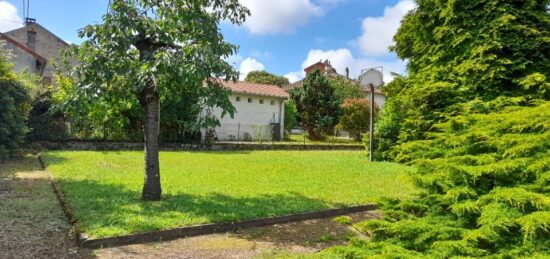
<point>371,123</point>
<point>370,79</point>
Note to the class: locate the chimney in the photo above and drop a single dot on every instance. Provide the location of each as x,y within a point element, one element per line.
<point>29,21</point>
<point>347,72</point>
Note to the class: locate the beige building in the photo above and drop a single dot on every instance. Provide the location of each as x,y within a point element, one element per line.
<point>35,48</point>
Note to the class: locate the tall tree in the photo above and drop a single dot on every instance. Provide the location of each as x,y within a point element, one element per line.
<point>318,106</point>
<point>463,52</point>
<point>263,77</point>
<point>473,116</point>
<point>148,49</point>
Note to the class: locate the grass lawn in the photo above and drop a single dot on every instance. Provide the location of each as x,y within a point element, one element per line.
<point>104,188</point>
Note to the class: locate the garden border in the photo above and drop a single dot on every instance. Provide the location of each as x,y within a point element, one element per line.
<point>205,229</point>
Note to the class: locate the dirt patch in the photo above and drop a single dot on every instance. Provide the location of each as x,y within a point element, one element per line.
<point>32,224</point>
<point>303,237</point>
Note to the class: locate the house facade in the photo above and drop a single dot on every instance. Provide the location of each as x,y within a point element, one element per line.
<point>259,113</point>
<point>33,41</point>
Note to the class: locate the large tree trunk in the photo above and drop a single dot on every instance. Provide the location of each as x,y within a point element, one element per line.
<point>150,102</point>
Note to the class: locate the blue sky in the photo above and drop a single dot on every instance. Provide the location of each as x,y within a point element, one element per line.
<point>281,36</point>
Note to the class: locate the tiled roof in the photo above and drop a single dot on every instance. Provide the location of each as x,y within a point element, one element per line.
<point>255,89</point>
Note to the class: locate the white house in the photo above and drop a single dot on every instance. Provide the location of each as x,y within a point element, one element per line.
<point>259,113</point>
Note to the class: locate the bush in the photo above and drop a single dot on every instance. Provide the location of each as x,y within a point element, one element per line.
<point>14,108</point>
<point>355,117</point>
<point>485,181</point>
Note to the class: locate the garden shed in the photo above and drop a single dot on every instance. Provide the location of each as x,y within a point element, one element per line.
<point>259,113</point>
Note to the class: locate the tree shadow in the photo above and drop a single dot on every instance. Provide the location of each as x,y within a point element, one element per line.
<point>109,209</point>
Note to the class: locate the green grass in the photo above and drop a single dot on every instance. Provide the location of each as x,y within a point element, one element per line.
<point>104,188</point>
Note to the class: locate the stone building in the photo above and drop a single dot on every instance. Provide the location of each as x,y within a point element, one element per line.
<point>35,48</point>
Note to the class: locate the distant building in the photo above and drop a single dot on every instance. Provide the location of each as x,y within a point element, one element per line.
<point>22,56</point>
<point>326,69</point>
<point>34,48</point>
<point>259,113</point>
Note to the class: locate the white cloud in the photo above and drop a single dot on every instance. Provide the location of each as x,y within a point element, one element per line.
<point>9,19</point>
<point>294,76</point>
<point>234,60</point>
<point>279,16</point>
<point>248,65</point>
<point>378,32</point>
<point>342,58</point>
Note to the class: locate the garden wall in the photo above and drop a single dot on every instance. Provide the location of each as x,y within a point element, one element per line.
<point>226,146</point>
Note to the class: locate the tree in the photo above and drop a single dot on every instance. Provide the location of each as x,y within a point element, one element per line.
<point>263,77</point>
<point>355,116</point>
<point>318,106</point>
<point>15,105</point>
<point>145,49</point>
<point>344,88</point>
<point>473,117</point>
<point>468,52</point>
<point>291,114</point>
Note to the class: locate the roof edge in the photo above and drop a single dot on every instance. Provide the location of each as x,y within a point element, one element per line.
<point>23,47</point>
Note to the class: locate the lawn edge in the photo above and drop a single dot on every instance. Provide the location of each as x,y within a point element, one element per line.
<point>213,228</point>
<point>85,241</point>
<point>65,207</point>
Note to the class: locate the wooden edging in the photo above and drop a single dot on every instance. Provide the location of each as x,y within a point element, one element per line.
<point>197,230</point>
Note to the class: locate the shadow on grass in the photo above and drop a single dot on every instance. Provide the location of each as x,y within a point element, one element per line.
<point>107,209</point>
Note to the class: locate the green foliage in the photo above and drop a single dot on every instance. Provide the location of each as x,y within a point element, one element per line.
<point>176,45</point>
<point>123,120</point>
<point>15,104</point>
<point>355,117</point>
<point>472,115</point>
<point>345,88</point>
<point>263,77</point>
<point>461,56</point>
<point>291,115</point>
<point>318,106</point>
<point>344,220</point>
<point>485,181</point>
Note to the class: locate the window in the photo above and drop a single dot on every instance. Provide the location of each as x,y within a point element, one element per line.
<point>31,39</point>
<point>250,100</point>
<point>238,98</point>
<point>261,101</point>
<point>272,102</point>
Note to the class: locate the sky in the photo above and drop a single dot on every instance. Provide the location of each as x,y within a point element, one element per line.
<point>281,36</point>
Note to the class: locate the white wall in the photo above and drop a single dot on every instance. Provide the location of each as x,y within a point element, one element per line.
<point>252,118</point>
